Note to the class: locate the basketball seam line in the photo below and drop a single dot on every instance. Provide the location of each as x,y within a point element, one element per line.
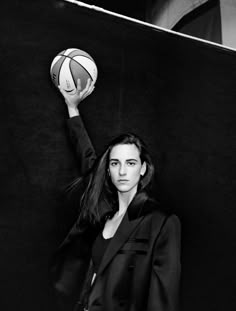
<point>75,82</point>
<point>80,64</point>
<point>75,56</point>
<point>83,68</point>
<point>59,72</point>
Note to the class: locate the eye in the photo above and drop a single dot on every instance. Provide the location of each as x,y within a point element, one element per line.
<point>113,163</point>
<point>131,163</point>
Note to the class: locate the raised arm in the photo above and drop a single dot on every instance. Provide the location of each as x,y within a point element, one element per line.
<point>77,132</point>
<point>73,100</point>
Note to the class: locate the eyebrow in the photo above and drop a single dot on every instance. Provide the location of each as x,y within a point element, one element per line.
<point>125,160</point>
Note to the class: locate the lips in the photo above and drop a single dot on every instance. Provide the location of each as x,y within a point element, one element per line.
<point>123,180</point>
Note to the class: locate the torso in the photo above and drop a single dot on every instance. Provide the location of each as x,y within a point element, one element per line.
<point>99,247</point>
<point>112,225</point>
<point>103,239</point>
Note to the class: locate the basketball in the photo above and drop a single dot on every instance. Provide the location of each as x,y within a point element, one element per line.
<point>69,66</point>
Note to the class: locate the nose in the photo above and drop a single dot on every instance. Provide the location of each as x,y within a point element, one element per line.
<point>122,170</point>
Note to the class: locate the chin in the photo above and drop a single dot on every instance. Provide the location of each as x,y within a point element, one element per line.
<point>123,188</point>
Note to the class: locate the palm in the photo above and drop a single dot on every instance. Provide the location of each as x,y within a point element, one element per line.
<point>73,100</point>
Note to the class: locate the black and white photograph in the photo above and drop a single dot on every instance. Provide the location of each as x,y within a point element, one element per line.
<point>118,148</point>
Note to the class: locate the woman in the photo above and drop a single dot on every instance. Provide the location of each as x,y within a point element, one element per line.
<point>123,253</point>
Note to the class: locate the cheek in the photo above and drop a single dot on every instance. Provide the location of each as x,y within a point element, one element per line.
<point>113,172</point>
<point>135,174</point>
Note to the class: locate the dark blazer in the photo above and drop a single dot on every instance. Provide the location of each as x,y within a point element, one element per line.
<point>140,270</point>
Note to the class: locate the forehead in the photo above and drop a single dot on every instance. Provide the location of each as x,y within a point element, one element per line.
<point>125,151</point>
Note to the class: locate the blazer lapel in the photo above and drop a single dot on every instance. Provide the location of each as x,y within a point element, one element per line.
<point>125,229</point>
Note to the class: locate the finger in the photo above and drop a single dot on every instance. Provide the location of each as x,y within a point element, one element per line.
<point>87,85</point>
<point>78,89</point>
<point>86,89</point>
<point>61,90</point>
<point>89,91</point>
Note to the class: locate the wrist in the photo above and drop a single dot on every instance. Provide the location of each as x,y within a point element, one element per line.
<point>73,111</point>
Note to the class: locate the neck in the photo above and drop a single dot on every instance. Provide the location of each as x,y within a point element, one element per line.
<point>124,200</point>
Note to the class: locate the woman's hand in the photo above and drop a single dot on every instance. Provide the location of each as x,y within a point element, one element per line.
<point>73,100</point>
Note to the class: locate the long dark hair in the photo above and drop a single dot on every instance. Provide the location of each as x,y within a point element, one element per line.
<point>98,185</point>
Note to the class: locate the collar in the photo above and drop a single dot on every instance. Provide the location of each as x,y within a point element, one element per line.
<point>140,205</point>
<point>136,207</point>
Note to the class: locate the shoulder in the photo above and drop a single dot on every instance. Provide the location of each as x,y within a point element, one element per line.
<point>160,219</point>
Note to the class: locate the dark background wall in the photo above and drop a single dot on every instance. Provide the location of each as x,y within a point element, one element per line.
<point>177,93</point>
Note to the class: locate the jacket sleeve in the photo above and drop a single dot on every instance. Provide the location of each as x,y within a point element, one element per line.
<point>82,144</point>
<point>166,268</point>
<point>69,268</point>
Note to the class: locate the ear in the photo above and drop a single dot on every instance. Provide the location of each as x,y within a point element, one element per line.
<point>143,168</point>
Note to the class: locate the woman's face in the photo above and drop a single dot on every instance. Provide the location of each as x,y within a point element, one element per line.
<point>125,167</point>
